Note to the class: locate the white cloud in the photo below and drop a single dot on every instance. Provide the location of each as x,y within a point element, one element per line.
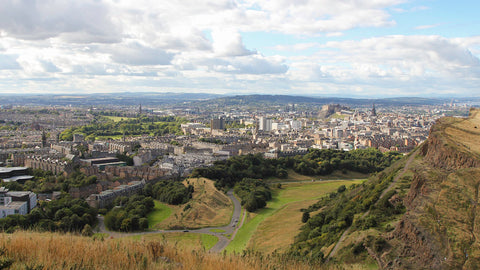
<point>312,17</point>
<point>398,63</point>
<point>76,21</point>
<point>228,42</point>
<point>137,54</point>
<point>107,45</point>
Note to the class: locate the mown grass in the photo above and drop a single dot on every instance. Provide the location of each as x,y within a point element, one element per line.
<point>117,118</point>
<point>292,192</point>
<point>160,212</point>
<point>336,175</point>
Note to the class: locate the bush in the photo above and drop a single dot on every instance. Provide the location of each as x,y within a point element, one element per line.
<point>131,216</point>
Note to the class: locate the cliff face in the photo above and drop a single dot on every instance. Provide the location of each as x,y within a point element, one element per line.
<point>444,153</point>
<point>440,228</point>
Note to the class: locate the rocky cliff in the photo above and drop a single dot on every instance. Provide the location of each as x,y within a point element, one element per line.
<point>440,228</point>
<point>424,215</point>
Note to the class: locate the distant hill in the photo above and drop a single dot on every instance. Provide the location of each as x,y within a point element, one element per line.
<point>201,99</point>
<point>120,99</point>
<point>253,100</point>
<point>420,213</point>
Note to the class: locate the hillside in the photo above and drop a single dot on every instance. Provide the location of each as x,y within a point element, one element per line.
<point>31,250</point>
<point>208,207</point>
<point>264,100</point>
<point>421,213</point>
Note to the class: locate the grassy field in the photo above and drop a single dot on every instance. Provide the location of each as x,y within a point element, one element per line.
<point>336,175</point>
<point>281,216</point>
<point>31,250</point>
<point>117,118</point>
<point>159,213</point>
<point>181,240</point>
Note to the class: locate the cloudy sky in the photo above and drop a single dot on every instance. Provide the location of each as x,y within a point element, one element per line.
<point>352,48</point>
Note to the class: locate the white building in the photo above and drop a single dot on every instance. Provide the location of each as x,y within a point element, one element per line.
<point>295,124</point>
<point>16,202</point>
<point>265,124</point>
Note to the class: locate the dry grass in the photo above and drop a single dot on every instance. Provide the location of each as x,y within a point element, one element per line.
<point>277,231</point>
<point>29,250</point>
<point>209,207</point>
<point>272,236</point>
<point>336,175</point>
<point>466,131</point>
<point>181,240</point>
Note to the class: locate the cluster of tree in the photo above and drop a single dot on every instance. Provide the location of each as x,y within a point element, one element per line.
<point>254,193</point>
<point>171,192</point>
<point>46,182</point>
<point>325,161</point>
<point>135,126</point>
<point>129,213</point>
<point>234,124</point>
<point>127,159</point>
<point>228,172</point>
<point>316,162</point>
<point>339,209</point>
<point>65,215</point>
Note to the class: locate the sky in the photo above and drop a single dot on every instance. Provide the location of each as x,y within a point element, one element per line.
<point>343,48</point>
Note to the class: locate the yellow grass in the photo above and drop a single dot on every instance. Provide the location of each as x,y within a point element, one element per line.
<point>336,175</point>
<point>271,236</point>
<point>181,240</point>
<point>277,232</point>
<point>466,131</point>
<point>30,250</point>
<point>209,208</point>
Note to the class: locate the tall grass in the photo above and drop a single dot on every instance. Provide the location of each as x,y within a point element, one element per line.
<point>31,250</point>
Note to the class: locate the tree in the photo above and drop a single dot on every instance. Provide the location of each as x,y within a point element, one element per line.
<point>87,230</point>
<point>126,225</point>
<point>305,217</point>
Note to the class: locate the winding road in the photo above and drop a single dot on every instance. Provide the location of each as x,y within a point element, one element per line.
<point>226,235</point>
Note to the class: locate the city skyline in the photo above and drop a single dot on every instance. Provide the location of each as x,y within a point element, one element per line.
<point>384,48</point>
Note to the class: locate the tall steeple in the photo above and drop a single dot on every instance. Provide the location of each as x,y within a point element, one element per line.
<point>374,112</point>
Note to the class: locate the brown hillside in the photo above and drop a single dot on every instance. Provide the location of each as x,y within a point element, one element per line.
<point>441,228</point>
<point>209,207</point>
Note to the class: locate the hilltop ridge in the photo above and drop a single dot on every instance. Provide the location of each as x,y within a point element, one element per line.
<point>420,213</point>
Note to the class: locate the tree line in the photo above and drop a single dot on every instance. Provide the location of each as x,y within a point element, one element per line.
<point>47,182</point>
<point>339,211</point>
<point>153,125</point>
<point>63,215</point>
<point>254,193</point>
<point>129,213</point>
<point>227,173</point>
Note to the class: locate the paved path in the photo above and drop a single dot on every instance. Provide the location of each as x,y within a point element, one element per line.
<point>223,239</point>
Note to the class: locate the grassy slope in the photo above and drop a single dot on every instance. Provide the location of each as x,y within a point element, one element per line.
<point>159,213</point>
<point>442,207</point>
<point>290,193</point>
<point>208,207</point>
<point>182,240</point>
<point>30,250</point>
<point>336,175</point>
